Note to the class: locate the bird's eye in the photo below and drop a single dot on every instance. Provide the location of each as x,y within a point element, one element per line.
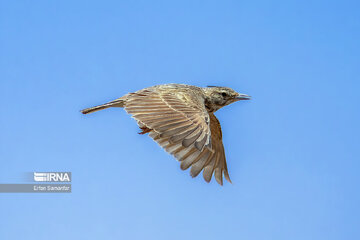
<point>224,94</point>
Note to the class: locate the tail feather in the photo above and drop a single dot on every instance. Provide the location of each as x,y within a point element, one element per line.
<point>115,103</point>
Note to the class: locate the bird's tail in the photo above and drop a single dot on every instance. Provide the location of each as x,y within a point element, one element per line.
<point>116,103</point>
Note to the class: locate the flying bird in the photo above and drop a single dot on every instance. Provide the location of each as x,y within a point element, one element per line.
<point>180,118</point>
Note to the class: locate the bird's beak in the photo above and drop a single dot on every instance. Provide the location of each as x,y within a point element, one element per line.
<point>242,97</point>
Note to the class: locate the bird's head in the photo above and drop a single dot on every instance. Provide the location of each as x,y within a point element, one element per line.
<point>218,97</point>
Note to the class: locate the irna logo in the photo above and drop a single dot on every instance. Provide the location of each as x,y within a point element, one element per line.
<point>52,176</point>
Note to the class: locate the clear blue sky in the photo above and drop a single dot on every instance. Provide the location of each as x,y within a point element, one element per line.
<point>293,151</point>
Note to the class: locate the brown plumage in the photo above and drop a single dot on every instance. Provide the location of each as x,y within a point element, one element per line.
<point>180,118</point>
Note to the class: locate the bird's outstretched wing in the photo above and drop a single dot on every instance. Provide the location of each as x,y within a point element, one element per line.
<point>183,128</point>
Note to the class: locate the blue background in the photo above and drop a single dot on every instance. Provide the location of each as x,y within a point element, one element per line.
<point>293,151</point>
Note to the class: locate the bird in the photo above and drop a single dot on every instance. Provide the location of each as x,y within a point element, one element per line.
<point>180,118</point>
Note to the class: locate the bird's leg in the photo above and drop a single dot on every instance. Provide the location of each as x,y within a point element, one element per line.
<point>144,130</point>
